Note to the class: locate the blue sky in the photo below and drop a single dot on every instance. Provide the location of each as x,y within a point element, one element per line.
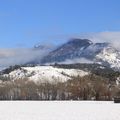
<point>24,23</point>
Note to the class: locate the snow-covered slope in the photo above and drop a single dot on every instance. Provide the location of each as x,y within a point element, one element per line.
<point>110,56</point>
<point>45,73</point>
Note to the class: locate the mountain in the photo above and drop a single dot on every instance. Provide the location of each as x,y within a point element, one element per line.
<point>69,50</point>
<point>77,49</point>
<point>35,80</point>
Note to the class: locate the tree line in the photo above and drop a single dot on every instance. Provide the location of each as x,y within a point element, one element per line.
<point>90,87</point>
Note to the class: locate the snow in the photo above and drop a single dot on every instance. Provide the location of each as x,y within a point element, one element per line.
<point>111,56</point>
<point>59,110</point>
<point>48,73</point>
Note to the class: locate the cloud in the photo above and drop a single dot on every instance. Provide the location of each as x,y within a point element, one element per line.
<point>72,61</point>
<point>110,37</point>
<point>19,56</point>
<point>76,60</point>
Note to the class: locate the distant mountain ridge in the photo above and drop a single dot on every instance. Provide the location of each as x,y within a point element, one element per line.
<point>69,50</point>
<point>102,53</point>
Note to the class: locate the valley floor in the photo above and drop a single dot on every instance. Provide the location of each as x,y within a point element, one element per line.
<point>59,110</point>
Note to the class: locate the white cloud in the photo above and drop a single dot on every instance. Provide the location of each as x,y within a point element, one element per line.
<point>72,61</point>
<point>19,56</point>
<point>111,37</point>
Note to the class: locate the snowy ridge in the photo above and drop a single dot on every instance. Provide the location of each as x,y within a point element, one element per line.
<point>45,73</point>
<point>111,56</point>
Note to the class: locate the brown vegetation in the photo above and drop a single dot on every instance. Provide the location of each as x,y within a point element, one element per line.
<point>90,87</point>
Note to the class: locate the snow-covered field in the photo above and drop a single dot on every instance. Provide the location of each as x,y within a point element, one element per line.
<point>59,110</point>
